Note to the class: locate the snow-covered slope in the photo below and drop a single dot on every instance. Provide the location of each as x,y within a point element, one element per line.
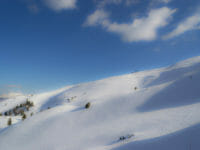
<point>160,107</point>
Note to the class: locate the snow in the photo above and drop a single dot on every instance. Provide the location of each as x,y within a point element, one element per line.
<point>160,107</point>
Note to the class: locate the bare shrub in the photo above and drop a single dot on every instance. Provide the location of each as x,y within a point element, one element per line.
<point>9,122</point>
<point>87,106</point>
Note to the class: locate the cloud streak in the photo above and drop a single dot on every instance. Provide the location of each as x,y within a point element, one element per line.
<point>141,29</point>
<point>33,8</point>
<point>58,5</point>
<point>97,18</point>
<point>190,23</point>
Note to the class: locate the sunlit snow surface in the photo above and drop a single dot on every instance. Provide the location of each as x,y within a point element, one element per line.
<point>160,107</point>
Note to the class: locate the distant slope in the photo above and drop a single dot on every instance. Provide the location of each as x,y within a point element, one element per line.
<point>159,107</point>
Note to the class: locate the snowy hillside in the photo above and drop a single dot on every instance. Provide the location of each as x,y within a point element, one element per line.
<point>150,110</point>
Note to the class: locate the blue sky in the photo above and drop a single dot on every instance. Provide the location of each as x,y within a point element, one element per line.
<point>47,44</point>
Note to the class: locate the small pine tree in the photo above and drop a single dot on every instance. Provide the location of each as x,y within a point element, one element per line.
<point>0,114</point>
<point>6,113</point>
<point>27,108</point>
<point>32,114</point>
<point>10,113</point>
<point>9,122</point>
<point>87,106</point>
<point>24,117</point>
<point>31,104</point>
<point>21,112</point>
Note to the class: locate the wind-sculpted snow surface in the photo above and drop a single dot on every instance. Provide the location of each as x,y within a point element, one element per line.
<point>149,110</point>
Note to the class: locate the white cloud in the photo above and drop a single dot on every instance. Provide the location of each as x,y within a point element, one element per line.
<point>58,5</point>
<point>98,17</point>
<point>141,29</point>
<point>103,3</point>
<point>191,23</point>
<point>155,3</point>
<point>130,2</point>
<point>165,1</point>
<point>33,8</point>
